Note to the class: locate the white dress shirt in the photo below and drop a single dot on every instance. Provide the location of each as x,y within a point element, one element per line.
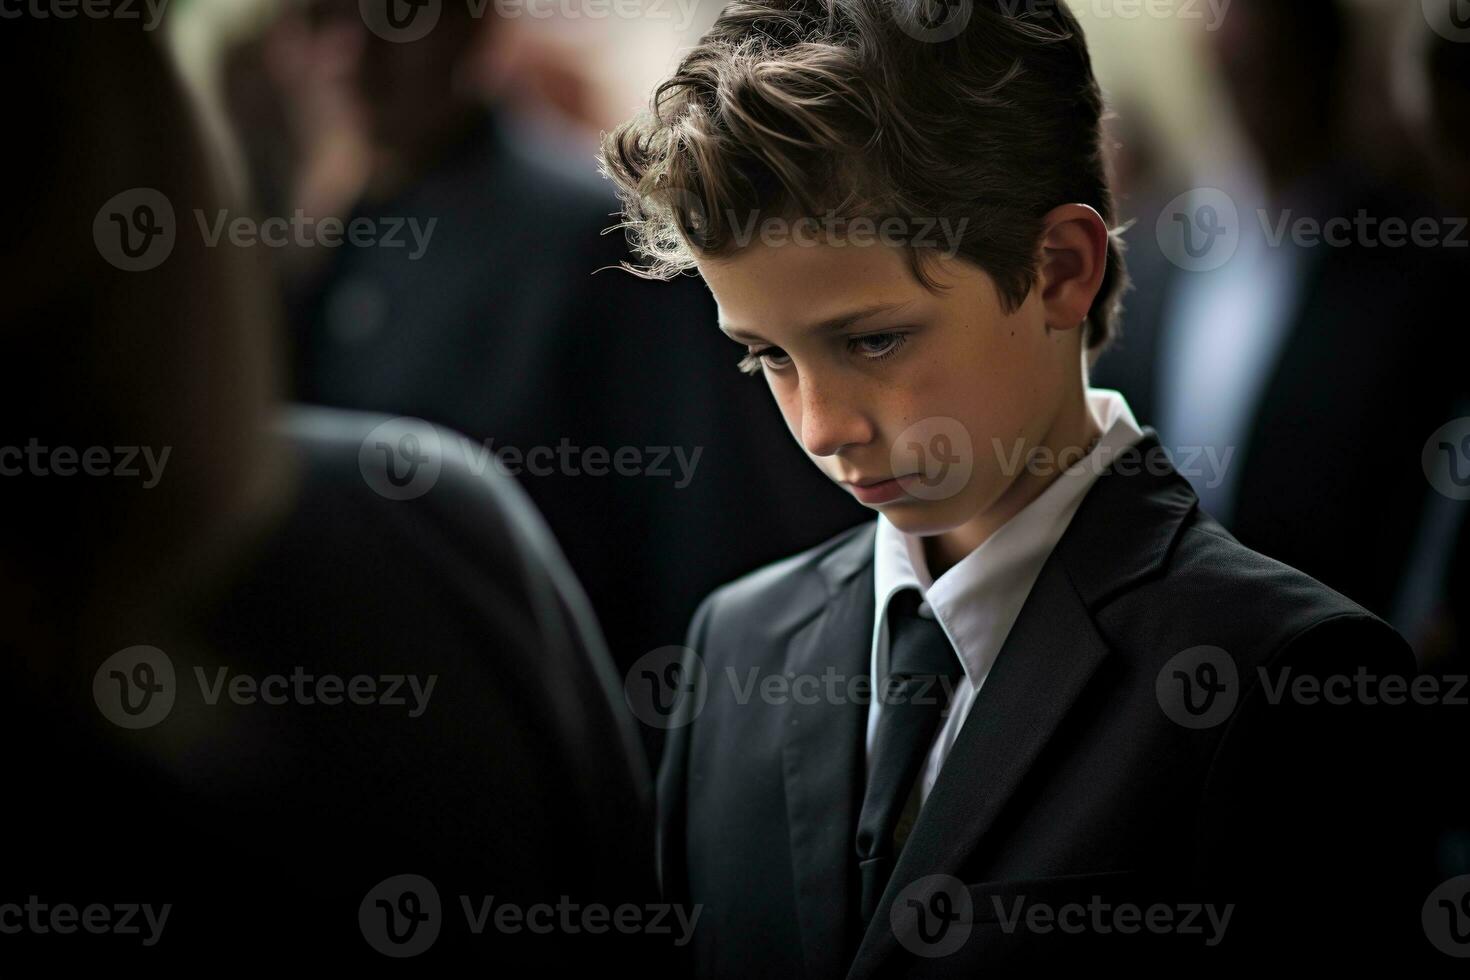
<point>979,598</point>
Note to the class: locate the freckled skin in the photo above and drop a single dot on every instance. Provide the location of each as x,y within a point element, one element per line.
<point>1004,376</point>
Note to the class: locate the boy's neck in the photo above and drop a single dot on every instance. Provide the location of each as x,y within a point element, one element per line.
<point>1075,429</point>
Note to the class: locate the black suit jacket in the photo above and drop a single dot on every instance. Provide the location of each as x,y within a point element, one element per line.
<point>1068,779</point>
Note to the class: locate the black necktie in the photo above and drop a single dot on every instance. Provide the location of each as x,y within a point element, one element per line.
<point>922,672</point>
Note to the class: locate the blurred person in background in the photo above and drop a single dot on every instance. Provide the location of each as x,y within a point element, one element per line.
<point>1438,63</point>
<point>1432,88</point>
<point>501,329</point>
<point>1433,76</point>
<point>282,816</point>
<point>1446,69</point>
<point>1311,370</point>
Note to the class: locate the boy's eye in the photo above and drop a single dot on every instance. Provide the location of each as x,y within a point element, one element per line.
<point>873,347</point>
<point>754,359</point>
<point>878,346</point>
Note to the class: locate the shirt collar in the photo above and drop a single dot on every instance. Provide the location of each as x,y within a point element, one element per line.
<point>977,599</point>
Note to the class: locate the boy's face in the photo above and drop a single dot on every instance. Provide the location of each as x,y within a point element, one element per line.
<point>945,392</point>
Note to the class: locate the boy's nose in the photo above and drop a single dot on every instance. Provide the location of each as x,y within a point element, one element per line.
<point>832,420</point>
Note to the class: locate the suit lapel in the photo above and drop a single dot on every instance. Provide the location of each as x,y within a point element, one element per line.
<point>1122,532</point>
<point>823,754</point>
<point>1050,655</point>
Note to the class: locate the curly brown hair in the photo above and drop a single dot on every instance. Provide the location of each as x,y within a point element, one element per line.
<point>985,112</point>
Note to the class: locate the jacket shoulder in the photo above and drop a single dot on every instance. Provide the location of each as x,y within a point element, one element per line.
<point>785,593</point>
<point>1216,591</point>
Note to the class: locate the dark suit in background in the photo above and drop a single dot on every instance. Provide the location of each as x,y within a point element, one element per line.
<point>1328,478</point>
<point>267,826</point>
<point>503,331</point>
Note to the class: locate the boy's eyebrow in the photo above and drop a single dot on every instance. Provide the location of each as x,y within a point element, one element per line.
<point>829,325</point>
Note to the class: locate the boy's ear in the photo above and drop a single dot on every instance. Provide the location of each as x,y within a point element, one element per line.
<point>1074,256</point>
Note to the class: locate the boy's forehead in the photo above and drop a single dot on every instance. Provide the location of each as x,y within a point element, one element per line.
<point>766,286</point>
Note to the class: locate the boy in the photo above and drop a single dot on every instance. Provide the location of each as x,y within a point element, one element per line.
<point>1035,711</point>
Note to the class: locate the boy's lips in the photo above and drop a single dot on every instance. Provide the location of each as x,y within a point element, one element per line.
<point>878,490</point>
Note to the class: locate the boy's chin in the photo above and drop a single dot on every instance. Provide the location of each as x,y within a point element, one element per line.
<point>925,518</point>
